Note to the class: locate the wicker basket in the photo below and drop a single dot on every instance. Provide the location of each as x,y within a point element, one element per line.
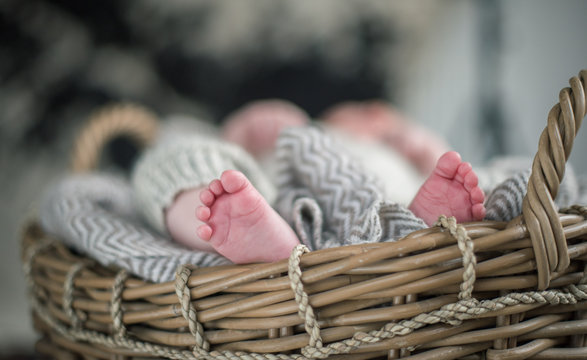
<point>483,290</point>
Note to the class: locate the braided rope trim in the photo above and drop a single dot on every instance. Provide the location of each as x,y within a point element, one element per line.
<point>454,314</point>
<point>465,245</point>
<point>182,275</point>
<point>305,310</point>
<point>75,318</point>
<point>575,210</point>
<point>116,303</point>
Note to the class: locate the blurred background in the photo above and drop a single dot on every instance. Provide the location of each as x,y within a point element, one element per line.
<point>482,74</point>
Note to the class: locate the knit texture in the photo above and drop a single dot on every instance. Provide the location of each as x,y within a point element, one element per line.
<point>94,214</point>
<point>324,193</point>
<point>504,202</point>
<point>500,169</point>
<point>400,180</point>
<point>351,202</point>
<point>184,162</point>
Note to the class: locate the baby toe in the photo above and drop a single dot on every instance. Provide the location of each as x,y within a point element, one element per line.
<point>207,197</point>
<point>478,212</point>
<point>233,181</point>
<point>204,232</point>
<point>216,187</point>
<point>463,169</point>
<point>477,195</point>
<point>470,180</point>
<point>203,213</point>
<point>448,164</point>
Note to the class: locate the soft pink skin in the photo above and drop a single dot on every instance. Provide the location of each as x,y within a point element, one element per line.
<point>451,190</point>
<point>240,224</point>
<point>233,218</point>
<point>377,121</point>
<point>256,126</point>
<point>180,222</point>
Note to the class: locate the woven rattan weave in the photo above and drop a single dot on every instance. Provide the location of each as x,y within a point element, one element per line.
<point>483,290</point>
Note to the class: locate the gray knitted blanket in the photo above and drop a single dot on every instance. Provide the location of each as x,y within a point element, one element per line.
<point>324,194</point>
<point>329,198</point>
<point>94,214</point>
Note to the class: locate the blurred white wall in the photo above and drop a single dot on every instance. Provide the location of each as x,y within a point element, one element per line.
<point>439,82</point>
<point>545,44</point>
<point>540,45</point>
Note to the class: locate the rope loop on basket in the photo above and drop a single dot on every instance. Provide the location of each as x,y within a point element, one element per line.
<point>467,249</point>
<point>75,318</point>
<point>305,310</point>
<point>579,291</point>
<point>182,276</point>
<point>116,303</point>
<point>451,313</point>
<point>575,210</point>
<point>538,208</point>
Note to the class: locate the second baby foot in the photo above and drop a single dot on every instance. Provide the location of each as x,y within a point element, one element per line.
<point>451,190</point>
<point>240,224</point>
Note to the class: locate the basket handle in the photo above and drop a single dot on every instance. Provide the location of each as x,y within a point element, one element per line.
<point>554,148</point>
<point>108,123</point>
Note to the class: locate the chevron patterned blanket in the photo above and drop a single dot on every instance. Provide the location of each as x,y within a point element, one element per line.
<point>323,192</point>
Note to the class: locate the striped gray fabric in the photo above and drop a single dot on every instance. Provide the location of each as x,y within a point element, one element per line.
<point>95,215</point>
<point>505,201</point>
<point>317,168</point>
<point>326,196</point>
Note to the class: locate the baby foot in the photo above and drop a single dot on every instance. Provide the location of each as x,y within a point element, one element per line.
<point>240,224</point>
<point>451,190</point>
<point>256,126</point>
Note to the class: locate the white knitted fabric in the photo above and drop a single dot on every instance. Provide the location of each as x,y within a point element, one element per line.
<point>185,162</point>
